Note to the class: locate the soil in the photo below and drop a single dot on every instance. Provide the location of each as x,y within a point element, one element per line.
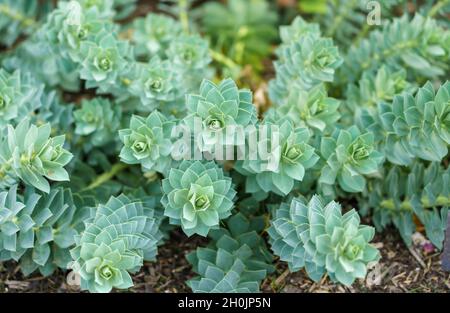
<point>398,271</point>
<point>401,269</point>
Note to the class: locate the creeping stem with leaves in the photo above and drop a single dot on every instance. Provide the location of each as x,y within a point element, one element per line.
<point>92,97</point>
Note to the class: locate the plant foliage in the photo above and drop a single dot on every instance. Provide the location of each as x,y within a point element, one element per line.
<point>119,126</point>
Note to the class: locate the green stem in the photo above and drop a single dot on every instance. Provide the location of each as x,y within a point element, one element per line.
<point>221,58</point>
<point>103,178</point>
<point>341,17</point>
<point>406,205</point>
<point>183,15</point>
<point>435,9</point>
<point>362,34</point>
<point>396,49</point>
<point>26,21</point>
<point>242,33</point>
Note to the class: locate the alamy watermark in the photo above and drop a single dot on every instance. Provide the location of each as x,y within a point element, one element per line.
<point>374,13</point>
<point>200,140</point>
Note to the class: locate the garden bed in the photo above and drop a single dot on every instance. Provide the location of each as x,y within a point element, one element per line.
<point>400,272</point>
<point>98,184</point>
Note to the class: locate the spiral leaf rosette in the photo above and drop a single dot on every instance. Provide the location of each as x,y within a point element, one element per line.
<point>350,156</point>
<point>147,142</point>
<point>114,244</point>
<point>219,107</point>
<point>99,119</point>
<point>38,229</point>
<point>288,157</point>
<point>28,153</point>
<point>321,239</point>
<point>236,261</point>
<point>197,195</point>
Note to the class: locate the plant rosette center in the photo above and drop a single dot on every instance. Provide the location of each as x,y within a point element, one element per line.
<point>352,251</point>
<point>83,33</point>
<point>214,124</point>
<point>155,84</point>
<point>200,197</point>
<point>89,117</point>
<point>292,153</point>
<point>51,153</point>
<point>359,151</point>
<point>104,63</point>
<point>141,145</point>
<point>188,55</point>
<point>199,202</point>
<point>106,272</point>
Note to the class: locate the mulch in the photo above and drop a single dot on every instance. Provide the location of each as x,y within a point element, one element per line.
<point>400,269</point>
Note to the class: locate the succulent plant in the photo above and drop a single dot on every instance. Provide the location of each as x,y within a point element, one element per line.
<point>103,59</point>
<point>297,29</point>
<point>28,153</point>
<point>114,244</point>
<point>147,142</point>
<point>375,88</point>
<point>415,126</point>
<point>71,24</point>
<point>219,107</point>
<point>288,157</point>
<point>157,84</point>
<point>312,109</point>
<point>349,156</point>
<point>344,119</point>
<point>189,53</point>
<point>98,119</point>
<point>19,97</point>
<point>36,57</point>
<point>104,8</point>
<point>415,43</point>
<point>153,34</point>
<point>321,239</point>
<point>410,194</point>
<point>237,260</point>
<point>190,57</point>
<point>197,195</point>
<point>37,229</point>
<point>18,17</point>
<point>303,64</point>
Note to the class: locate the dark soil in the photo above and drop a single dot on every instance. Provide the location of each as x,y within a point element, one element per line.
<point>398,271</point>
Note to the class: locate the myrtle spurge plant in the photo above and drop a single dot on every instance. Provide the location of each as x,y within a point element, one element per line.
<point>197,195</point>
<point>323,240</point>
<point>303,61</point>
<point>153,34</point>
<point>218,108</point>
<point>124,126</point>
<point>19,97</point>
<point>156,84</point>
<point>28,153</point>
<point>114,243</point>
<point>287,162</point>
<point>39,229</point>
<point>415,126</point>
<point>147,142</point>
<point>310,108</point>
<point>98,119</point>
<point>350,155</point>
<point>239,259</point>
